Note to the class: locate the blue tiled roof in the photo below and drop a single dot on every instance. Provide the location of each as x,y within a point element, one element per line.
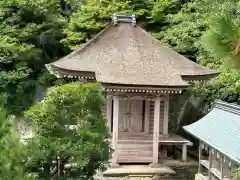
<point>220,129</point>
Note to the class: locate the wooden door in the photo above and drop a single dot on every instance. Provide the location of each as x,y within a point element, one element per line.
<point>131,116</point>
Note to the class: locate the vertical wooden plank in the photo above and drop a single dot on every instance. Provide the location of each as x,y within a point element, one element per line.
<point>156,130</point>
<point>151,117</point>
<point>200,157</point>
<point>115,129</point>
<point>147,116</point>
<point>210,164</point>
<point>184,152</point>
<point>109,113</point>
<point>166,119</point>
<point>222,170</point>
<point>136,122</point>
<point>123,109</point>
<point>161,121</point>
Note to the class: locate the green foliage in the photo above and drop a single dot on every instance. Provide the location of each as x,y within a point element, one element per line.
<point>186,27</point>
<point>30,37</point>
<point>186,31</point>
<point>228,81</point>
<point>237,174</point>
<point>13,152</point>
<point>84,147</point>
<point>93,16</point>
<point>222,40</point>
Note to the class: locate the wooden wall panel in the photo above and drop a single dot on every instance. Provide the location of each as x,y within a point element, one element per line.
<point>135,125</point>
<point>123,109</point>
<point>151,117</point>
<point>161,117</point>
<point>134,153</point>
<point>137,119</point>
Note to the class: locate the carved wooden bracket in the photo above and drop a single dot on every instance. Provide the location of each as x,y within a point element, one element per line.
<point>136,97</point>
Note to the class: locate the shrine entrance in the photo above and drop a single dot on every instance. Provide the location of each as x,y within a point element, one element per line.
<point>131,114</point>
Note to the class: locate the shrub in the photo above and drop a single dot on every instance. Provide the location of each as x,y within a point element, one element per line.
<point>70,133</point>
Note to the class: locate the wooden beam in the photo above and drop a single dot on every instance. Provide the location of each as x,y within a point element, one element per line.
<point>210,164</point>
<point>115,130</point>
<point>184,152</point>
<point>109,114</point>
<point>221,167</point>
<point>135,96</point>
<point>166,119</point>
<point>156,129</point>
<point>146,118</point>
<point>200,157</point>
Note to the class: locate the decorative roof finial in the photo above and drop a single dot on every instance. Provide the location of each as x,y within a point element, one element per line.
<point>125,18</point>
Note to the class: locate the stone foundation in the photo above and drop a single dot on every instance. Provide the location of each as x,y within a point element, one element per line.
<point>182,173</point>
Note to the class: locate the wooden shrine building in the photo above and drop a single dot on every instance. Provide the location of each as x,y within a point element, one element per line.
<point>138,74</point>
<point>219,136</point>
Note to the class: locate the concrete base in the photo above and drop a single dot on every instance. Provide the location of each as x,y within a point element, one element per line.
<point>155,165</point>
<point>135,170</point>
<point>201,177</point>
<point>115,165</point>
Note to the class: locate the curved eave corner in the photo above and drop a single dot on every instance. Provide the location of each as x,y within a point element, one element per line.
<point>203,77</point>
<point>60,73</point>
<point>51,70</point>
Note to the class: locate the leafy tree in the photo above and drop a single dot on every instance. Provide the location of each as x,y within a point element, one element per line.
<point>59,150</point>
<point>13,152</point>
<point>30,37</point>
<point>222,40</point>
<point>90,17</point>
<point>184,32</point>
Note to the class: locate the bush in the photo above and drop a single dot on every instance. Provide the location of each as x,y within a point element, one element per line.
<point>60,151</point>
<point>237,174</point>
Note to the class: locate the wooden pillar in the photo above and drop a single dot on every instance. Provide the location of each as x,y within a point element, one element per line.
<point>200,157</point>
<point>109,114</point>
<point>210,164</point>
<point>166,110</point>
<point>184,152</point>
<point>156,130</point>
<point>146,118</point>
<point>115,129</point>
<point>221,170</point>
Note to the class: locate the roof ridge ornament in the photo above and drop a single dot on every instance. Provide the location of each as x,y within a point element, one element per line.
<point>125,18</point>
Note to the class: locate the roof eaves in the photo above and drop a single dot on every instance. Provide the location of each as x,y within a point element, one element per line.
<point>236,159</point>
<point>61,72</point>
<point>230,107</point>
<point>114,85</point>
<point>202,77</point>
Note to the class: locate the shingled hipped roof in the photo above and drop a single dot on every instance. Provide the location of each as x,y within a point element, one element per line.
<point>128,55</point>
